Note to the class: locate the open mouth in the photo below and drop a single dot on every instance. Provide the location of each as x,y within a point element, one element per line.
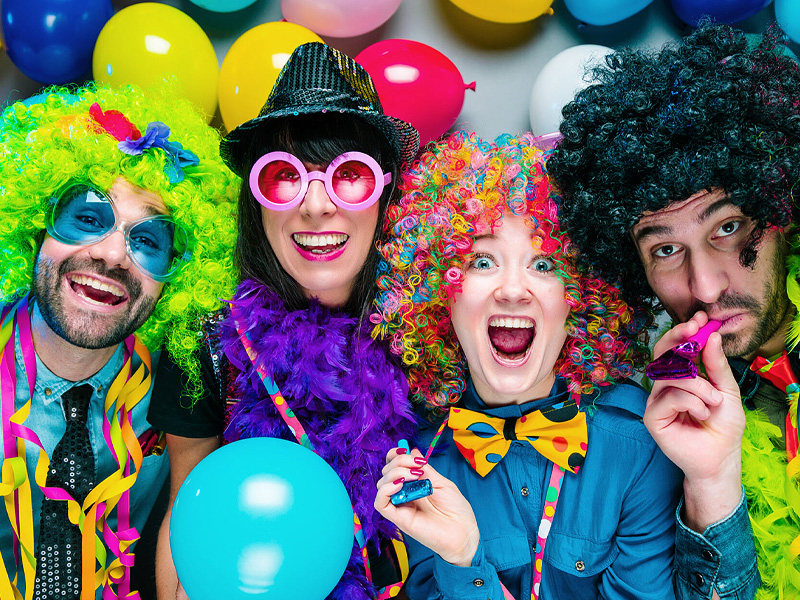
<point>100,292</point>
<point>511,337</point>
<point>320,244</point>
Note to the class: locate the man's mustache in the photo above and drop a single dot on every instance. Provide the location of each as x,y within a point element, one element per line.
<point>91,265</point>
<point>726,301</point>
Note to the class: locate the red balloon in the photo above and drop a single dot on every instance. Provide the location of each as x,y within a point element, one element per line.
<point>416,83</point>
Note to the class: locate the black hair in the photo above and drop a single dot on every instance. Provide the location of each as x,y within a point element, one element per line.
<point>317,139</point>
<point>707,112</point>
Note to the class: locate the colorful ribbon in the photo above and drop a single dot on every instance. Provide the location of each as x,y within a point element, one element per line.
<point>112,493</point>
<point>302,438</point>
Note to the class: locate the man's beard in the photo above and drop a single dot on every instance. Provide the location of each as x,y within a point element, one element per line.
<point>85,329</point>
<point>769,313</point>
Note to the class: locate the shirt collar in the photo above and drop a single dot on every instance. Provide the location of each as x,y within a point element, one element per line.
<point>748,380</point>
<point>50,387</point>
<point>471,401</point>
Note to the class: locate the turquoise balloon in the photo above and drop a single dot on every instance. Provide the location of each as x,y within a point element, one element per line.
<point>223,5</point>
<point>787,13</point>
<point>261,518</point>
<point>604,12</point>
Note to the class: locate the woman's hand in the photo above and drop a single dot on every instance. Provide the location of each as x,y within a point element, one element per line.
<point>443,521</point>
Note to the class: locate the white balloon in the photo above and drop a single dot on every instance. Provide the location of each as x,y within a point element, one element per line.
<point>557,83</point>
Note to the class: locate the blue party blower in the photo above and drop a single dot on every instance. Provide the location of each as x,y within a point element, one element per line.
<point>411,490</point>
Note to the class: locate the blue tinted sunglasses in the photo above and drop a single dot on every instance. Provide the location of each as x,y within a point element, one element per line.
<point>81,215</point>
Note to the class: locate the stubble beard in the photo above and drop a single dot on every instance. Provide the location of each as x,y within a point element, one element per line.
<point>769,313</point>
<point>86,329</point>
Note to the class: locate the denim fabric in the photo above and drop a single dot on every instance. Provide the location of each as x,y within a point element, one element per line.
<point>47,420</point>
<point>613,531</point>
<point>699,565</point>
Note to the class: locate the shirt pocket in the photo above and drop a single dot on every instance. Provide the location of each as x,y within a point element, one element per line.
<point>579,557</point>
<point>508,552</point>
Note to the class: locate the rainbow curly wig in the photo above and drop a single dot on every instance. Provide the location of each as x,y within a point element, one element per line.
<point>51,142</point>
<point>706,112</point>
<point>456,187</point>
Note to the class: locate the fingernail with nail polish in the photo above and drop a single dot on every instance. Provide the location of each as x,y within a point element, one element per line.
<point>417,472</point>
<point>420,461</point>
<point>401,451</point>
<point>398,481</point>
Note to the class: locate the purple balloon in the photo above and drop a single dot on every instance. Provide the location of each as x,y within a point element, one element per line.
<point>52,41</point>
<point>722,11</point>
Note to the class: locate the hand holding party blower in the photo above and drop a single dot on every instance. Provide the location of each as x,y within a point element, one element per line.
<point>679,362</point>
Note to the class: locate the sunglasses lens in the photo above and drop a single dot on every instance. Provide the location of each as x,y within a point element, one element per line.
<point>82,215</point>
<point>279,181</point>
<point>353,182</point>
<point>157,245</point>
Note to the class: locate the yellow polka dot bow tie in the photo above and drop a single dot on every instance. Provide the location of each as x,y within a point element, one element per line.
<point>557,432</point>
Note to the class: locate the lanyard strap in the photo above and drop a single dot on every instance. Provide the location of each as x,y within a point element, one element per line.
<point>124,393</point>
<point>299,432</point>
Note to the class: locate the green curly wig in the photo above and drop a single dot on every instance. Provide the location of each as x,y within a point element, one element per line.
<point>46,144</point>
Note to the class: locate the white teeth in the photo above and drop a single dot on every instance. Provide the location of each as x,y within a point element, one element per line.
<point>333,239</point>
<point>511,322</point>
<point>98,285</point>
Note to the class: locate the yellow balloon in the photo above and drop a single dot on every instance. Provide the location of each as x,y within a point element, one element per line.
<point>505,11</point>
<point>251,66</point>
<point>147,43</point>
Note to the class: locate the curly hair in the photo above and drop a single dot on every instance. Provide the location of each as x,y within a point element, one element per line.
<point>706,112</point>
<point>44,144</point>
<point>456,187</point>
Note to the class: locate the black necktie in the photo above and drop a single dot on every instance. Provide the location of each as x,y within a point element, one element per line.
<point>58,568</point>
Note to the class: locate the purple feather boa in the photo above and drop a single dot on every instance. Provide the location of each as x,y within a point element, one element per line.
<point>346,390</point>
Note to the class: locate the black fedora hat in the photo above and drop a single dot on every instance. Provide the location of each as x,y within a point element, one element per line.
<point>319,79</point>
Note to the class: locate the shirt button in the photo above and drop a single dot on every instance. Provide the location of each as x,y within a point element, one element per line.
<point>524,492</point>
<point>707,554</point>
<point>579,566</point>
<point>478,582</point>
<point>48,392</point>
<point>699,580</point>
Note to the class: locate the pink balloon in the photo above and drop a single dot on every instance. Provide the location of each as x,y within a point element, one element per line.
<point>339,18</point>
<point>416,83</point>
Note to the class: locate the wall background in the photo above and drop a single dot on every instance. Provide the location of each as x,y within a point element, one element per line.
<point>504,60</point>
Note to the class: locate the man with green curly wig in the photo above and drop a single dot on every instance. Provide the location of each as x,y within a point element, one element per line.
<point>115,240</point>
<point>678,169</point>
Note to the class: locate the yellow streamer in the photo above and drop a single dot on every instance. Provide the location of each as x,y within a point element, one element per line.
<point>123,395</point>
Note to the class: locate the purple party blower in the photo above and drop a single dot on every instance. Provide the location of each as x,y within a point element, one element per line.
<point>678,362</point>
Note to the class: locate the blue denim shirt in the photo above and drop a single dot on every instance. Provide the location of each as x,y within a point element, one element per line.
<point>722,558</point>
<point>47,420</point>
<point>613,531</point>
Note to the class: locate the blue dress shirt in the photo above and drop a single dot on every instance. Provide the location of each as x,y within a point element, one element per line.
<point>613,531</point>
